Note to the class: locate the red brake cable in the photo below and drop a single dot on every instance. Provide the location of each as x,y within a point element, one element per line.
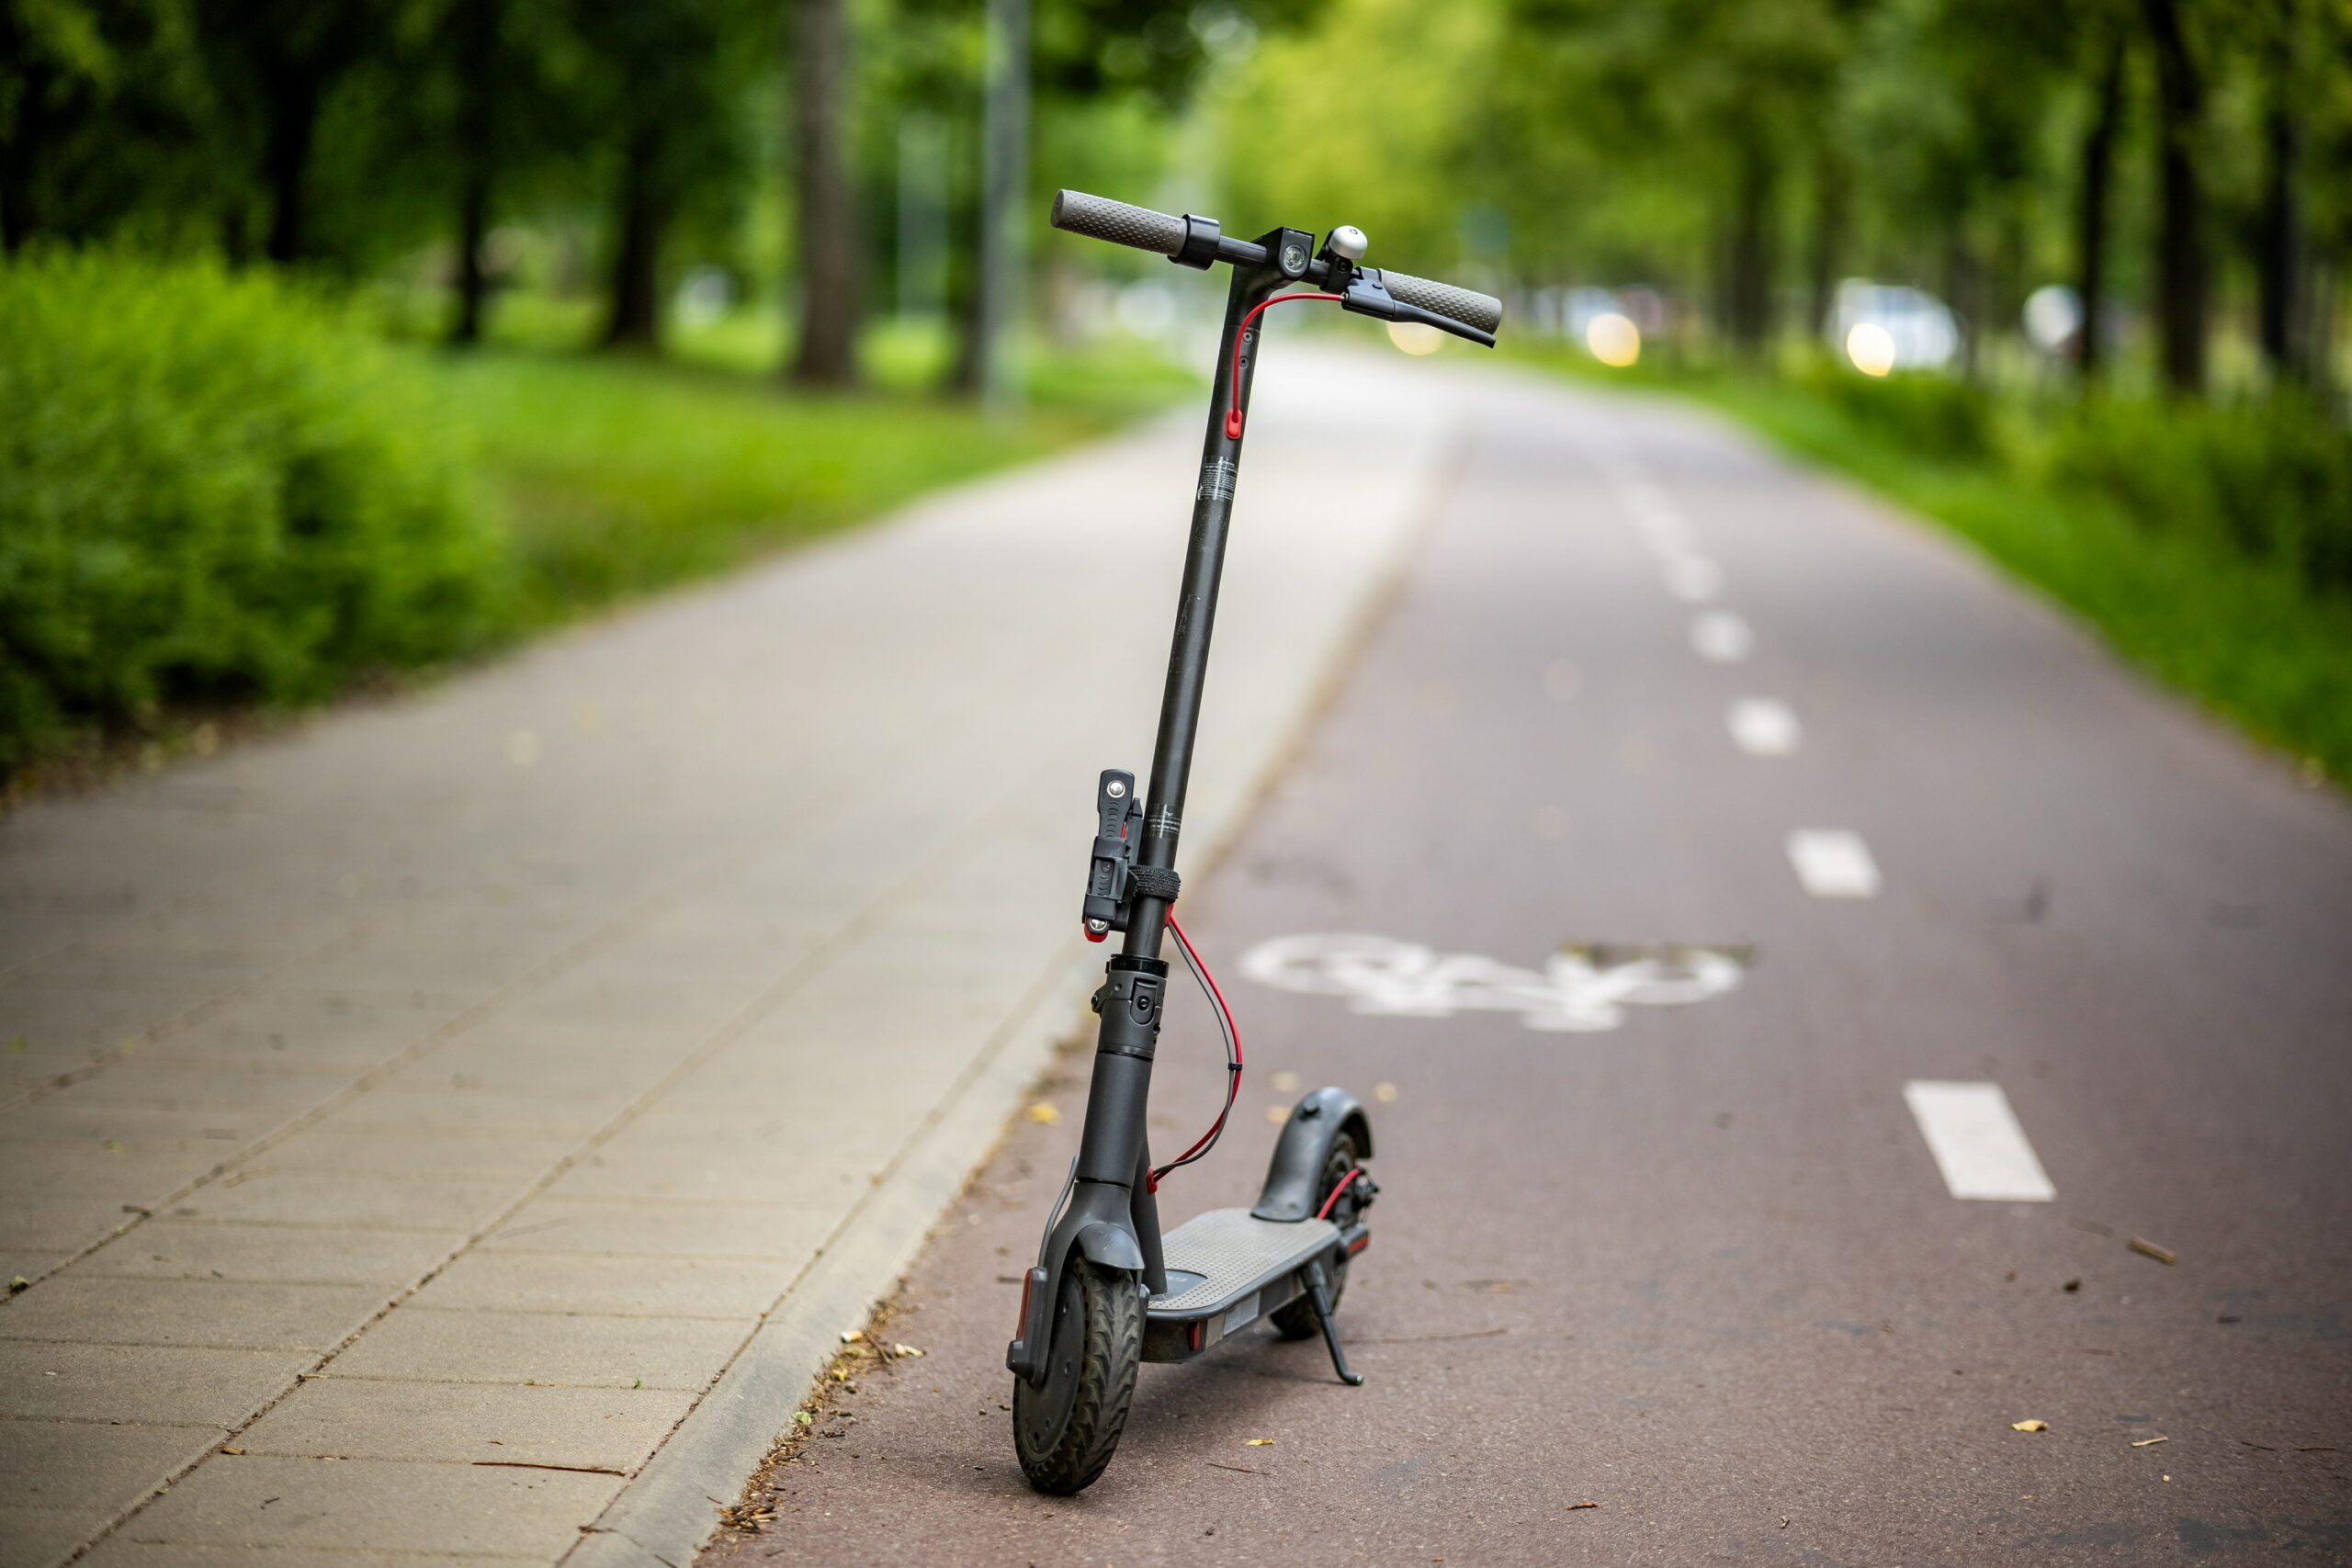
<point>1233,387</point>
<point>1207,1140</point>
<point>1323,1212</point>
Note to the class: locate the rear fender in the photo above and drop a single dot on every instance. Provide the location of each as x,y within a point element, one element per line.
<point>1296,1173</point>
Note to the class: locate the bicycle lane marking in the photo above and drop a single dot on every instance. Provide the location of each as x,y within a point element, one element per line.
<point>1977,1142</point>
<point>1583,989</point>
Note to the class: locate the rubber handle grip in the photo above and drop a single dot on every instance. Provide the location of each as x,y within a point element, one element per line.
<point>1099,218</point>
<point>1467,306</point>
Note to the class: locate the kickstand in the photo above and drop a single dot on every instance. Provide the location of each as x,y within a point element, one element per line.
<point>1319,1293</point>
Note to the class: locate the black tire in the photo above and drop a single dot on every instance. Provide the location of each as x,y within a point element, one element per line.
<point>1296,1321</point>
<point>1067,1427</point>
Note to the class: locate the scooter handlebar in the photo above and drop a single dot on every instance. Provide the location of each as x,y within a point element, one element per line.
<point>1099,218</point>
<point>1467,306</point>
<point>1162,233</point>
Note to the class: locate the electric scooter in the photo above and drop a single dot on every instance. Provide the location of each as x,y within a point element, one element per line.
<point>1108,1290</point>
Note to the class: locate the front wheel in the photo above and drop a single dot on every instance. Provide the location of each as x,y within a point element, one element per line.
<point>1065,1427</point>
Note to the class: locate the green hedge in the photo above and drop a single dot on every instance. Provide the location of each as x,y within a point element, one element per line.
<point>214,488</point>
<point>1937,417</point>
<point>2271,480</point>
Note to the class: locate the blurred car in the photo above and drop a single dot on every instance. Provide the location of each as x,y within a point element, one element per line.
<point>1884,327</point>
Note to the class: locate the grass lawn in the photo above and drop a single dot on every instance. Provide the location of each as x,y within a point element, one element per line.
<point>617,476</point>
<point>2241,637</point>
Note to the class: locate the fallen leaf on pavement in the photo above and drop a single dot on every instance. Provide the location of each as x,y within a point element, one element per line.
<point>746,1515</point>
<point>2028,1426</point>
<point>1260,1442</point>
<point>2147,1249</point>
<point>1044,1111</point>
<point>2148,1442</point>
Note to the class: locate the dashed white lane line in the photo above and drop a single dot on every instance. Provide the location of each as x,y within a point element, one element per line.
<point>1665,534</point>
<point>1722,637</point>
<point>1763,728</point>
<point>1694,580</point>
<point>1977,1143</point>
<point>1833,864</point>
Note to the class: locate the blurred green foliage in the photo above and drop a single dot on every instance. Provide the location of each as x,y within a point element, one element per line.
<point>219,490</point>
<point>551,175</point>
<point>2270,482</point>
<point>620,477</point>
<point>214,488</point>
<point>1935,417</point>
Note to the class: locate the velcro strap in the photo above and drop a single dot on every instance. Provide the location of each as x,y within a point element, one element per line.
<point>1154,882</point>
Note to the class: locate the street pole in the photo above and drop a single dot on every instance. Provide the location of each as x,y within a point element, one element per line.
<point>1005,167</point>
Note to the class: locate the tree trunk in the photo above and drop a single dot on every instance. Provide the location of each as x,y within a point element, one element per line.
<point>827,355</point>
<point>962,268</point>
<point>294,97</point>
<point>479,24</point>
<point>636,319</point>
<point>2090,235</point>
<point>1748,284</point>
<point>19,161</point>
<point>2321,299</point>
<point>1829,205</point>
<point>2278,248</point>
<point>2180,228</point>
<point>473,236</point>
<point>1963,291</point>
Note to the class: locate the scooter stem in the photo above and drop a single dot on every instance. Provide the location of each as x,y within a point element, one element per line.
<point>1188,659</point>
<point>1111,1194</point>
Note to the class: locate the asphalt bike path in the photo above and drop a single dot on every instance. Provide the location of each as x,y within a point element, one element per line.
<point>1857,1079</point>
<point>457,1129</point>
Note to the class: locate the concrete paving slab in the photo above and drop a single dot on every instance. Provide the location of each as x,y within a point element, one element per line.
<point>424,1151</point>
<point>82,1464</point>
<point>582,1349</point>
<point>102,1170</point>
<point>239,1315</point>
<point>33,1538</point>
<point>177,1248</point>
<point>116,1552</point>
<point>156,1385</point>
<point>700,1169</point>
<point>254,1500</point>
<point>668,1227</point>
<point>26,1263</point>
<point>360,1200</point>
<point>598,1282</point>
<point>459,1423</point>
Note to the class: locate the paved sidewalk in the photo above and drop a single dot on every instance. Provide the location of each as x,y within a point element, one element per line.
<point>460,1127</point>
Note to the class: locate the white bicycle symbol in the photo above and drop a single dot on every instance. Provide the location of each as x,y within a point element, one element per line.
<point>1582,989</point>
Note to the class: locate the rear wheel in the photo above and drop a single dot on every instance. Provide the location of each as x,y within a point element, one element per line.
<point>1067,1427</point>
<point>1296,1321</point>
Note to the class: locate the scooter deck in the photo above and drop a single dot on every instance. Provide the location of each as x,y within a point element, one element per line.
<point>1226,1270</point>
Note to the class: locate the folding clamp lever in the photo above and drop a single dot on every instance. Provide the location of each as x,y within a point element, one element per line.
<point>1118,822</point>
